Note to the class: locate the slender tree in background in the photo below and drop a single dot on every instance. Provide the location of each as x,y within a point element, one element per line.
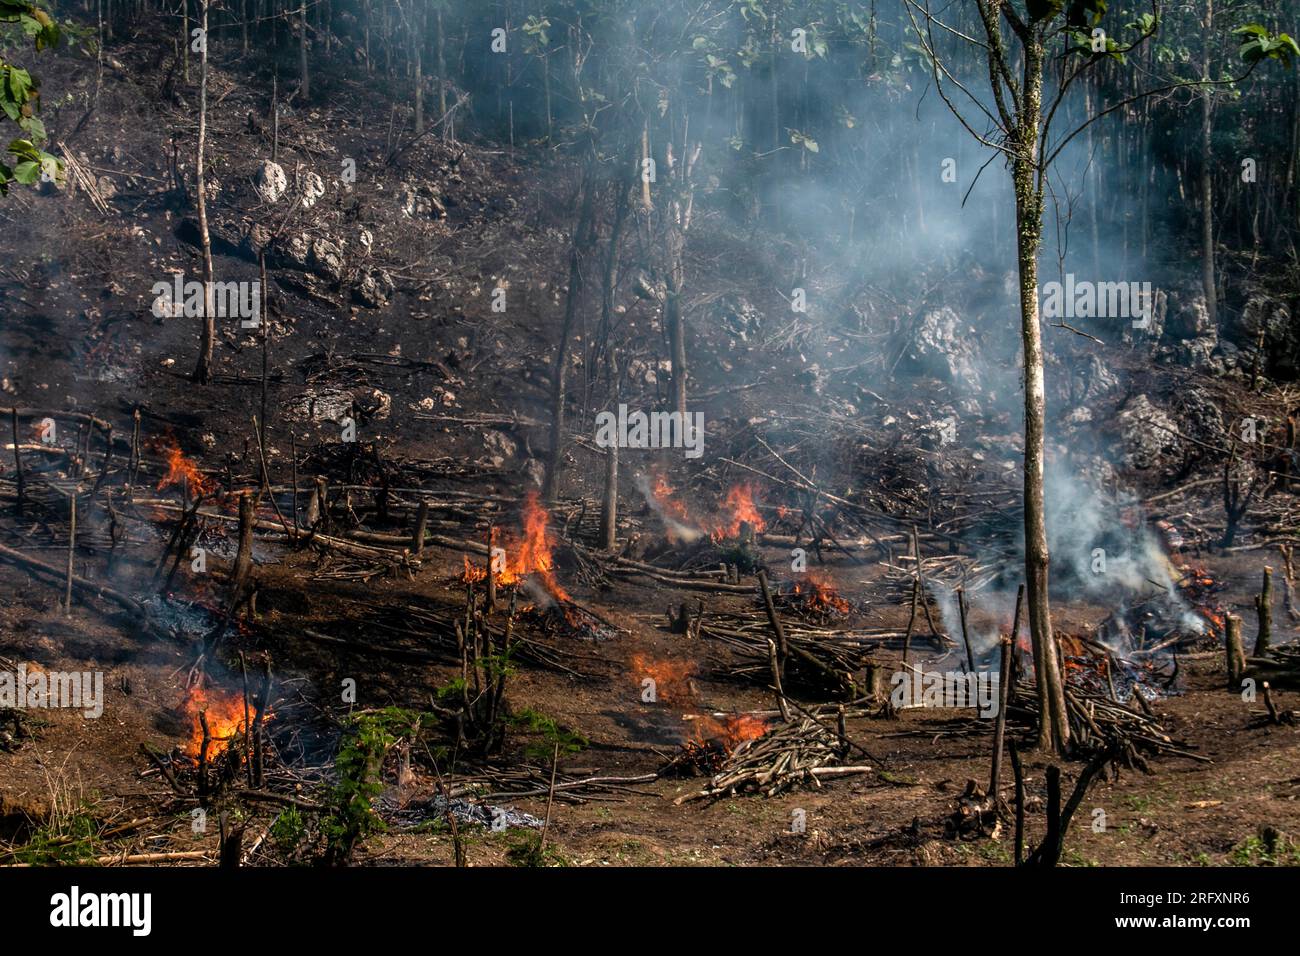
<point>305,84</point>
<point>203,371</point>
<point>1207,171</point>
<point>1016,46</point>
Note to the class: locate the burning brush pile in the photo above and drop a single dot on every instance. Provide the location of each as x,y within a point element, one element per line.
<point>803,751</point>
<point>699,536</point>
<point>813,596</point>
<point>759,752</point>
<point>526,564</point>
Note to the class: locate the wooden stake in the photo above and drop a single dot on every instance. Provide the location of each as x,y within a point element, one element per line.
<point>1236,661</point>
<point>491,574</point>
<point>421,525</point>
<point>1000,728</point>
<point>961,610</point>
<point>1264,609</point>
<point>783,649</point>
<point>244,556</point>
<point>18,461</point>
<point>72,551</point>
<point>775,664</point>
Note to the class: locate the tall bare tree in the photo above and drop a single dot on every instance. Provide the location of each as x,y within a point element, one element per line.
<point>203,371</point>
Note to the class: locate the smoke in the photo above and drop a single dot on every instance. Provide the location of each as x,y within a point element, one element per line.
<point>676,529</point>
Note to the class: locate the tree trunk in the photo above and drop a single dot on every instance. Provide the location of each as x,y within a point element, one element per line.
<point>302,51</point>
<point>1207,180</point>
<point>560,370</point>
<point>185,41</point>
<point>442,81</point>
<point>1054,730</point>
<point>418,43</point>
<point>676,248</point>
<point>203,371</point>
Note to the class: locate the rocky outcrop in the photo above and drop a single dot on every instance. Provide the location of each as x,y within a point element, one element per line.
<point>941,346</point>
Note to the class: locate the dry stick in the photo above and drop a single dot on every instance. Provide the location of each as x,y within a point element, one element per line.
<point>1273,716</point>
<point>266,338</point>
<point>133,468</point>
<point>1015,637</point>
<point>1000,728</point>
<point>72,551</point>
<point>248,727</point>
<point>266,478</point>
<point>421,525</point>
<point>1020,803</point>
<point>1264,609</point>
<point>911,623</point>
<point>783,649</point>
<point>1236,661</point>
<point>293,447</point>
<point>920,577</point>
<point>259,748</point>
<point>103,471</point>
<point>775,664</point>
<point>961,608</point>
<point>203,757</point>
<point>550,799</point>
<point>491,576</point>
<point>18,461</point>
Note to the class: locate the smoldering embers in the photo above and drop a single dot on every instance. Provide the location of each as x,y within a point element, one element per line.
<point>656,430</point>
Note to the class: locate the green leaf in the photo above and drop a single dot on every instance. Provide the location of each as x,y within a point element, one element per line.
<point>34,128</point>
<point>27,172</point>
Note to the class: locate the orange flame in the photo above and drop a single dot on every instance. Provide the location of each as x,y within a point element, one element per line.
<point>818,593</point>
<point>181,469</point>
<point>672,678</point>
<point>225,716</point>
<point>531,555</point>
<point>736,508</point>
<point>740,503</point>
<point>729,732</point>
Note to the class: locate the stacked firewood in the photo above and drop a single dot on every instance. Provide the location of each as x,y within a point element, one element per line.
<point>800,751</point>
<point>1098,722</point>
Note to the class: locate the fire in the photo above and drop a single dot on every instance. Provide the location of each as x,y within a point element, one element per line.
<point>736,508</point>
<point>740,503</point>
<point>818,593</point>
<point>473,573</point>
<point>225,716</point>
<point>1198,586</point>
<point>677,517</point>
<point>729,732</point>
<point>671,678</point>
<point>531,555</point>
<point>181,469</point>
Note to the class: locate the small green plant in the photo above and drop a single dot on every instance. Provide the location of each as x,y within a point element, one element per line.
<point>70,839</point>
<point>1267,848</point>
<point>552,733</point>
<point>526,850</point>
<point>367,740</point>
<point>288,831</point>
<point>20,99</point>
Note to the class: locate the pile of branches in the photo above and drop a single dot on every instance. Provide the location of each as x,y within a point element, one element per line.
<point>800,751</point>
<point>1099,723</point>
<point>817,657</point>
